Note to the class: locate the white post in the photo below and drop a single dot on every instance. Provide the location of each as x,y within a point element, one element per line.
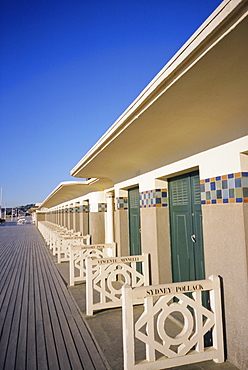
<point>110,218</point>
<point>215,301</point>
<point>128,335</point>
<point>71,264</point>
<point>89,290</point>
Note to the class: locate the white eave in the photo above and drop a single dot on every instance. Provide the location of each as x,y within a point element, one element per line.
<point>69,190</point>
<point>197,101</point>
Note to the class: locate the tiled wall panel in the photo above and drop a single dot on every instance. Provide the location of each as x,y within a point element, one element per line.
<point>231,188</point>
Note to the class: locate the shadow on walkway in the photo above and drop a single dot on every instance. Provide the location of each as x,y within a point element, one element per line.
<point>106,327</point>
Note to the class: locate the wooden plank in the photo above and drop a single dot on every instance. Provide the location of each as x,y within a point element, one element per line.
<point>88,342</point>
<point>87,347</point>
<point>7,265</point>
<point>49,340</point>
<point>55,321</point>
<point>24,316</point>
<point>6,288</point>
<point>40,326</point>
<point>10,334</point>
<point>31,332</point>
<point>67,331</point>
<point>41,349</point>
<point>68,325</point>
<point>8,295</point>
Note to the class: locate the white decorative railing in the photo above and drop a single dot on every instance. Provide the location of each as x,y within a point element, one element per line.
<point>106,276</point>
<point>166,347</point>
<point>78,255</point>
<point>65,241</point>
<point>47,229</point>
<point>51,233</point>
<point>59,239</point>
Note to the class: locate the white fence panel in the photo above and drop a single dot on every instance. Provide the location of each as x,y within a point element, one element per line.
<point>78,255</point>
<point>164,347</point>
<point>64,242</point>
<point>106,276</point>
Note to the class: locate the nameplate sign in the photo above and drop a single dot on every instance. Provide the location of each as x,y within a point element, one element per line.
<point>172,289</point>
<point>111,260</point>
<point>84,246</point>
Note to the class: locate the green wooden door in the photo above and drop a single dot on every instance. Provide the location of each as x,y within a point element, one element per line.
<point>186,228</point>
<point>134,221</point>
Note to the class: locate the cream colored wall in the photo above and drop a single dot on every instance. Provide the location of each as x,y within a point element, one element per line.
<point>155,240</point>
<point>164,249</point>
<point>121,232</point>
<point>246,233</point>
<point>225,250</point>
<point>85,223</point>
<point>40,217</point>
<point>97,227</point>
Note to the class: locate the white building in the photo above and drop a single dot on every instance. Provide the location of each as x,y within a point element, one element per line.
<point>170,176</point>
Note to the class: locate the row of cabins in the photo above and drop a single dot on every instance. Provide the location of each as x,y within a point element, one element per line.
<point>170,176</point>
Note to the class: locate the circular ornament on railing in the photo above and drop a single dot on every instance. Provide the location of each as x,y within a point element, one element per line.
<point>187,327</point>
<point>117,275</point>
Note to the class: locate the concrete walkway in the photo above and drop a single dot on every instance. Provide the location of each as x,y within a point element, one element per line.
<point>106,327</point>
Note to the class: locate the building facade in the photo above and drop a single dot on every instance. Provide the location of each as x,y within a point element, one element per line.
<point>170,176</point>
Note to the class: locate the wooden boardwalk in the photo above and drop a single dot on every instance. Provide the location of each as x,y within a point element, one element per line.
<point>40,326</point>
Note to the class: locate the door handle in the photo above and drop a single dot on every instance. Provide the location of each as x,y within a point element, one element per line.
<point>193,238</point>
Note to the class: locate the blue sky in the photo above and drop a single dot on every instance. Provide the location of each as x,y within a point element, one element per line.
<point>68,69</point>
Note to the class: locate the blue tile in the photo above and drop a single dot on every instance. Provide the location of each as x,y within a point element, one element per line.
<point>203,202</point>
<point>244,182</point>
<point>164,194</point>
<point>245,174</point>
<point>224,184</point>
<point>225,194</point>
<point>219,194</point>
<point>213,194</point>
<point>213,201</point>
<point>245,192</point>
<point>230,176</point>
<point>231,183</point>
<point>238,182</point>
<point>212,185</point>
<point>218,178</point>
<point>207,186</point>
<point>207,180</point>
<point>239,200</point>
<point>225,200</point>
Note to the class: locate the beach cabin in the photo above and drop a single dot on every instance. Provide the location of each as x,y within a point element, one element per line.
<point>170,176</point>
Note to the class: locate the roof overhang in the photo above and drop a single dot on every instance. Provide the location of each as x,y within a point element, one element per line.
<point>197,101</point>
<point>69,190</point>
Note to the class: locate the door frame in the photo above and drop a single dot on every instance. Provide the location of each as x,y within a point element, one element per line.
<point>134,233</point>
<point>191,251</point>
